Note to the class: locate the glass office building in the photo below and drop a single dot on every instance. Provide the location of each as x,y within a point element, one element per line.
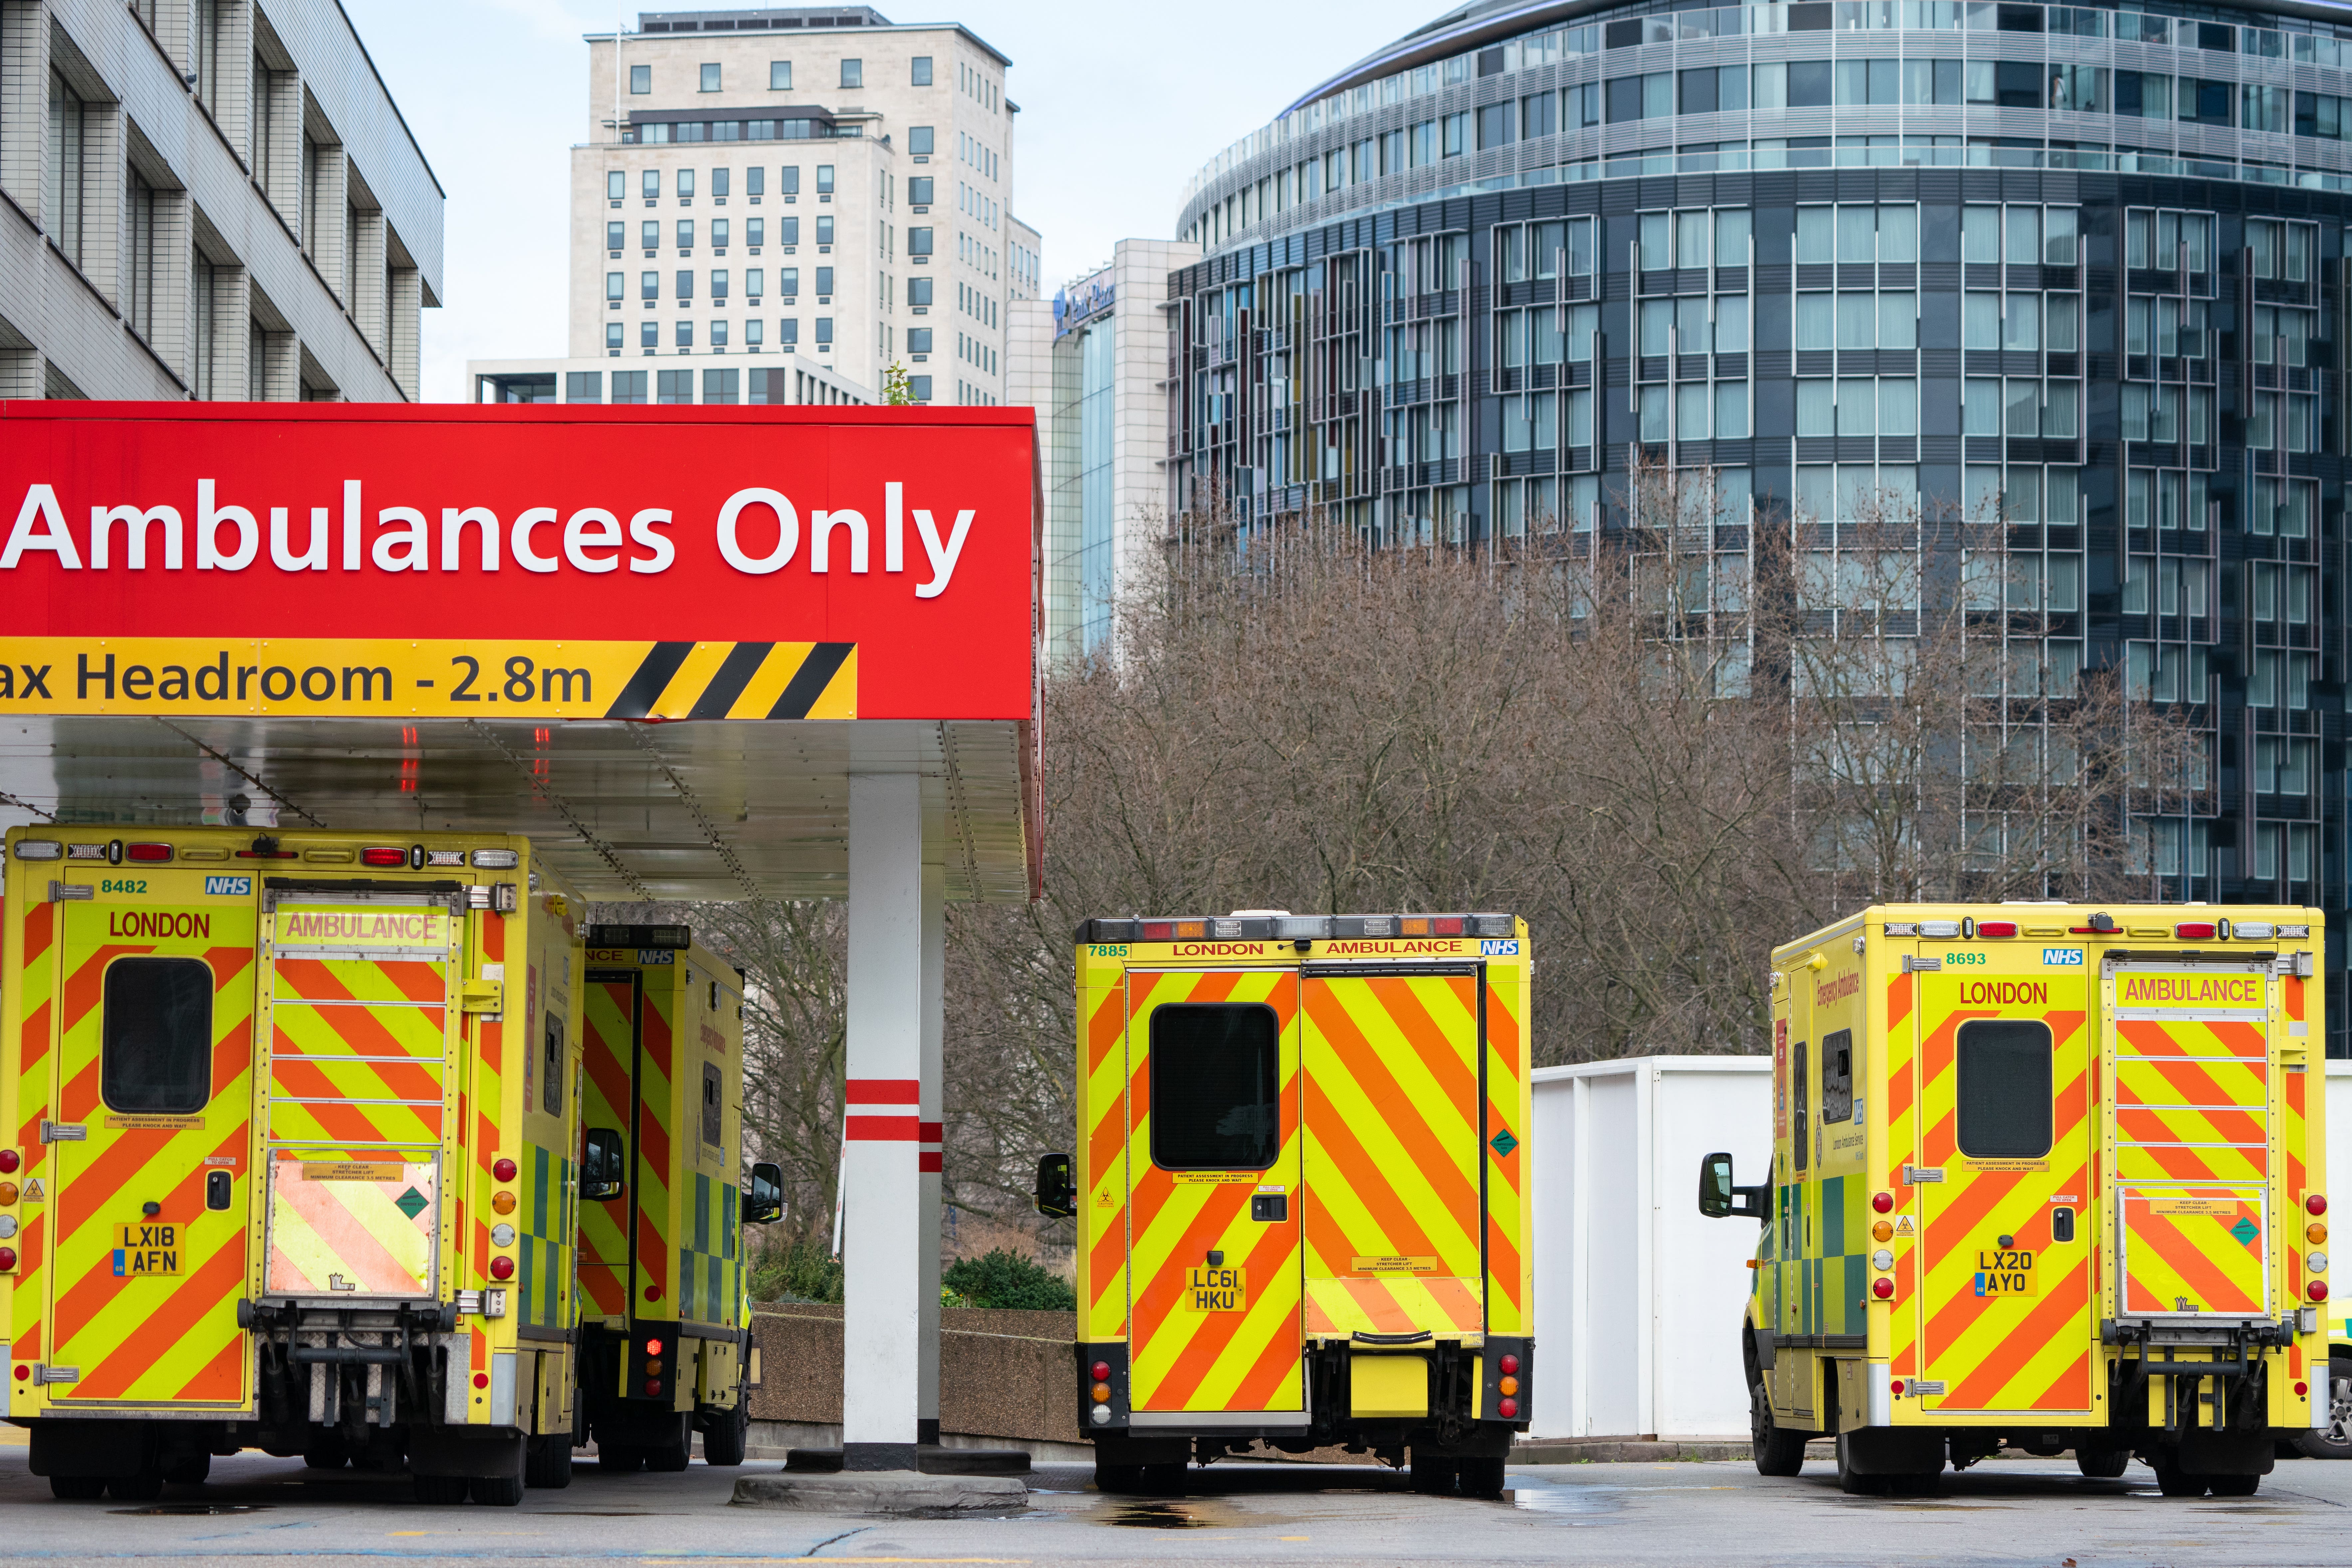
<point>2081,265</point>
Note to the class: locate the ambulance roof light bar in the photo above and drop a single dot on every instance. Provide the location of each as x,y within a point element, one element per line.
<point>1269,925</point>
<point>640,936</point>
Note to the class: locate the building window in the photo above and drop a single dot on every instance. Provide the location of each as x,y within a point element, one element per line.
<point>674,386</point>
<point>919,141</point>
<point>921,74</point>
<point>789,180</point>
<point>615,285</point>
<point>919,190</point>
<point>719,234</point>
<point>649,336</point>
<point>616,235</point>
<point>205,29</point>
<point>719,385</point>
<point>686,234</point>
<point>853,73</point>
<point>824,331</point>
<point>584,386</point>
<point>788,281</point>
<point>616,186</point>
<point>780,76</point>
<point>918,243</point>
<point>754,333</point>
<point>757,229</point>
<point>641,79</point>
<point>685,336</point>
<point>919,340</point>
<point>628,386</point>
<point>719,285</point>
<point>824,179</point>
<point>823,282</point>
<point>685,185</point>
<point>918,291</point>
<point>719,336</point>
<point>613,333</point>
<point>719,183</point>
<point>788,332</point>
<point>651,184</point>
<point>649,286</point>
<point>686,283</point>
<point>788,231</point>
<point>755,283</point>
<point>63,193</point>
<point>709,79</point>
<point>203,325</point>
<point>755,184</point>
<point>825,230</point>
<point>921,386</point>
<point>139,257</point>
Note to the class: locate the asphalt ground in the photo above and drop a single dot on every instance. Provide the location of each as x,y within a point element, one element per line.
<point>255,1509</point>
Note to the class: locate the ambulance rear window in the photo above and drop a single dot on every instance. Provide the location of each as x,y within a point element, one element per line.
<point>1215,1091</point>
<point>2003,1064</point>
<point>156,1052</point>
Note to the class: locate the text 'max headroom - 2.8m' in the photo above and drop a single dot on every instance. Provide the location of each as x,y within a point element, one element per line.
<point>291,1113</point>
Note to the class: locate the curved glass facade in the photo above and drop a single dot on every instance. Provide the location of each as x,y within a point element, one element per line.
<point>2083,267</point>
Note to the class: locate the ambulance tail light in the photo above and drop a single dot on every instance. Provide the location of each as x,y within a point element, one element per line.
<point>147,854</point>
<point>1158,930</point>
<point>384,855</point>
<point>2315,1205</point>
<point>501,1268</point>
<point>2316,1289</point>
<point>653,1347</point>
<point>1882,1202</point>
<point>9,1161</point>
<point>2194,931</point>
<point>1448,925</point>
<point>1883,1288</point>
<point>7,1258</point>
<point>1509,1409</point>
<point>39,849</point>
<point>1995,928</point>
<point>1509,1365</point>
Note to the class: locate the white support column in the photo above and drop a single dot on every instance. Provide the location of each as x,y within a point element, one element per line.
<point>935,953</point>
<point>882,1239</point>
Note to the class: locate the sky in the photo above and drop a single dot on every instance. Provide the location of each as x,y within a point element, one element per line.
<point>1119,108</point>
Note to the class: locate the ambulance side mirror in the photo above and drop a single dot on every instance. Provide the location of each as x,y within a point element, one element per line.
<point>764,1200</point>
<point>1058,1190</point>
<point>602,1162</point>
<point>1719,1198</point>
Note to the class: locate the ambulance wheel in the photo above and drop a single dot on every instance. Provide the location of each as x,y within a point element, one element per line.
<point>326,1454</point>
<point>77,1489</point>
<point>1113,1480</point>
<point>547,1461</point>
<point>619,1458</point>
<point>138,1486</point>
<point>675,1453</point>
<point>188,1470</point>
<point>2103,1464</point>
<point>1435,1476</point>
<point>2173,1481</point>
<point>496,1491</point>
<point>1483,1478</point>
<point>440,1489</point>
<point>1167,1480</point>
<point>1777,1453</point>
<point>2333,1441</point>
<point>1851,1481</point>
<point>729,1437</point>
<point>2234,1486</point>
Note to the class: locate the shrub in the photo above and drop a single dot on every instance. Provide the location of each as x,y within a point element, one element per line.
<point>1001,1278</point>
<point>802,1270</point>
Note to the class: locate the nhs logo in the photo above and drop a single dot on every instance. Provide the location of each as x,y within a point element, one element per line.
<point>234,887</point>
<point>1508,947</point>
<point>2063,957</point>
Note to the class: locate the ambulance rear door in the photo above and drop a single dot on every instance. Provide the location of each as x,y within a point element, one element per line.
<point>150,1182</point>
<point>2008,1322</point>
<point>2189,1042</point>
<point>1391,1167</point>
<point>1213,1217</point>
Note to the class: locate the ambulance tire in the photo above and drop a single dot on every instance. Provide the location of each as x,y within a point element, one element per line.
<point>2174,1481</point>
<point>2103,1464</point>
<point>326,1454</point>
<point>1483,1478</point>
<point>1168,1480</point>
<point>729,1437</point>
<point>675,1454</point>
<point>1118,1480</point>
<point>77,1489</point>
<point>1435,1477</point>
<point>138,1486</point>
<point>440,1489</point>
<point>188,1470</point>
<point>1777,1453</point>
<point>619,1458</point>
<point>496,1491</point>
<point>2334,1441</point>
<point>1851,1481</point>
<point>548,1460</point>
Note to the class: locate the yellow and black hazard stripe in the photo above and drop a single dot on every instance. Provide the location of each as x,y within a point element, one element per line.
<point>742,680</point>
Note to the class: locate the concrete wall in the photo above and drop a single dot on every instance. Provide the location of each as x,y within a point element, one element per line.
<point>1005,1375</point>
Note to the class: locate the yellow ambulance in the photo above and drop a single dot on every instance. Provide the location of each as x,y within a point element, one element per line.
<point>288,1128</point>
<point>2044,1176</point>
<point>1301,1163</point>
<point>665,1344</point>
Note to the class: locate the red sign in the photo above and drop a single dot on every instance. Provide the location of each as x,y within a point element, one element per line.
<point>880,563</point>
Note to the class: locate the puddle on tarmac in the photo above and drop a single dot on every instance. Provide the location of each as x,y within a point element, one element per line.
<point>196,1507</point>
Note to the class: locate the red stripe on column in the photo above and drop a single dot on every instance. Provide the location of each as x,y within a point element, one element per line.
<point>885,1091</point>
<point>926,1161</point>
<point>883,1129</point>
<point>934,1132</point>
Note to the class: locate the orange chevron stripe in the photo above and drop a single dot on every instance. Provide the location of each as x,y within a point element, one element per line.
<point>1362,1060</point>
<point>1372,1296</point>
<point>2071,1390</point>
<point>86,985</point>
<point>222,1379</point>
<point>2175,1124</point>
<point>1274,1250</point>
<point>1502,1260</point>
<point>179,1314</point>
<point>2003,1361</point>
<point>33,1041</point>
<point>1157,1300</point>
<point>1950,1229</point>
<point>1898,998</point>
<point>1107,1027</point>
<point>2215,1289</point>
<point>41,929</point>
<point>1506,1165</point>
<point>1335,1142</point>
<point>1456,1078</point>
